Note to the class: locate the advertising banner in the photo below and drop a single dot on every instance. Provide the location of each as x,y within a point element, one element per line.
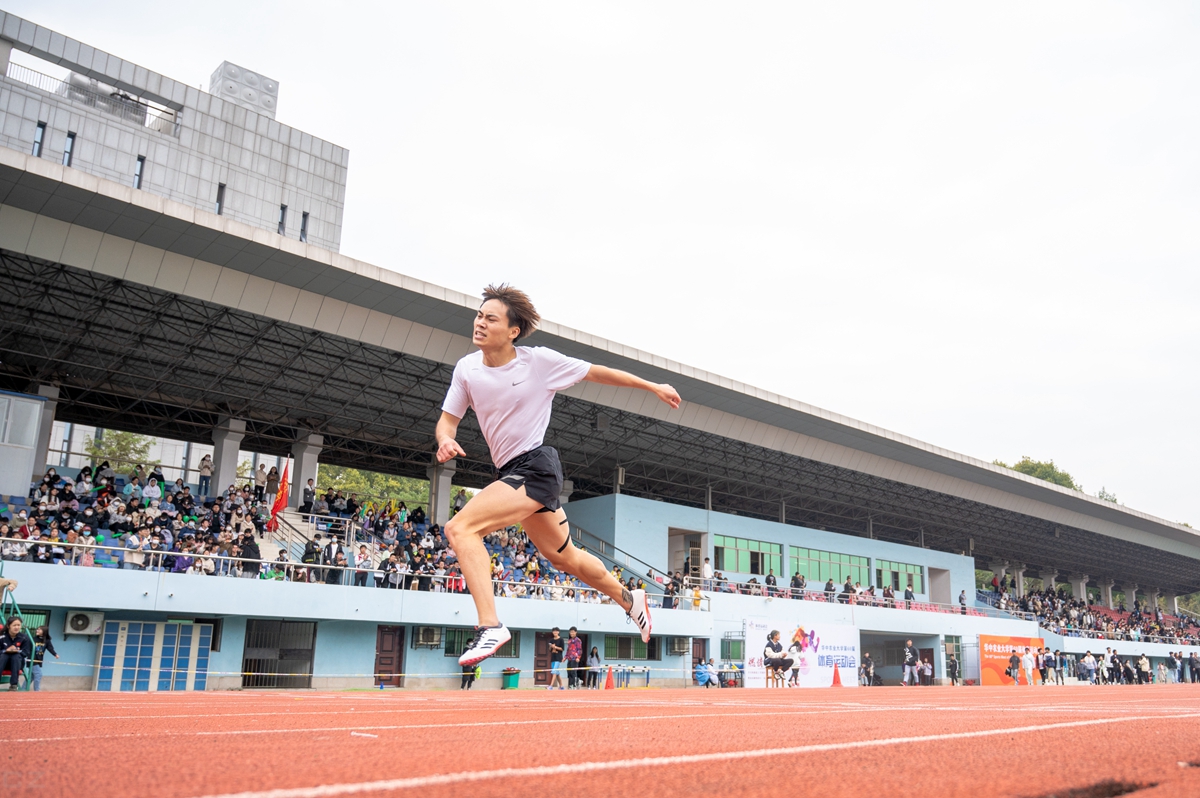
<point>756,641</point>
<point>994,651</point>
<point>822,646</point>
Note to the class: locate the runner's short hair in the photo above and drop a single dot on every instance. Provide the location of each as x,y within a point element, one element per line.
<point>521,312</point>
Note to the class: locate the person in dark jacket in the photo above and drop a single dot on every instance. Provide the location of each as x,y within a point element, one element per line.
<point>250,557</point>
<point>41,644</point>
<point>15,650</point>
<point>952,670</point>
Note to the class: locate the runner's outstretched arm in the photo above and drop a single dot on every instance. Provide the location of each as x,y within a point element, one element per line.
<point>603,375</point>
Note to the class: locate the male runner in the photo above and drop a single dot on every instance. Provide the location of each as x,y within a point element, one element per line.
<point>511,389</point>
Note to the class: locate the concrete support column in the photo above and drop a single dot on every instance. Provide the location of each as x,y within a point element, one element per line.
<point>440,477</point>
<point>1152,598</point>
<point>1131,589</point>
<point>49,407</point>
<point>1048,578</point>
<point>1000,569</point>
<point>1106,592</point>
<point>305,451</point>
<point>1018,571</point>
<point>564,495</point>
<point>1079,586</point>
<point>1172,602</point>
<point>5,54</point>
<point>227,441</point>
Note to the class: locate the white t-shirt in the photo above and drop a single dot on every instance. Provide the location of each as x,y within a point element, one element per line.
<point>512,402</point>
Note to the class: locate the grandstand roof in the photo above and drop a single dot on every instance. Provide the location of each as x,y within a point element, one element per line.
<point>113,291</point>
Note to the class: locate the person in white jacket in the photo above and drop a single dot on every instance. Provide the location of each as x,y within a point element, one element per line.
<point>1027,663</point>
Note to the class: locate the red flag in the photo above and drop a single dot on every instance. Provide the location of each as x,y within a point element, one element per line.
<point>281,499</point>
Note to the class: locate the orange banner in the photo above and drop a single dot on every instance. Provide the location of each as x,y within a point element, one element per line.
<point>994,653</point>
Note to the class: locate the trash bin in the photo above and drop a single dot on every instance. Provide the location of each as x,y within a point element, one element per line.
<point>509,679</point>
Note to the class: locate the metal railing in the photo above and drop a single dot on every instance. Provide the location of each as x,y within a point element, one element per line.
<point>159,560</point>
<point>725,585</point>
<point>83,90</point>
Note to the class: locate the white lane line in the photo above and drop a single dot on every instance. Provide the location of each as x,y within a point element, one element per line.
<point>471,725</point>
<point>390,785</point>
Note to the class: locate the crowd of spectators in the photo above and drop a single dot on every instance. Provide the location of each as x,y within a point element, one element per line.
<point>1059,612</point>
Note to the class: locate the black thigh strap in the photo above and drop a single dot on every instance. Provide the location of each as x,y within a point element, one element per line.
<point>568,540</point>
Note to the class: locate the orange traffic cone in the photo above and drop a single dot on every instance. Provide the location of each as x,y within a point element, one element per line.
<point>608,683</point>
<point>837,676</point>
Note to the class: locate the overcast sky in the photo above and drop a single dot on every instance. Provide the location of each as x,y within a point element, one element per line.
<point>974,225</point>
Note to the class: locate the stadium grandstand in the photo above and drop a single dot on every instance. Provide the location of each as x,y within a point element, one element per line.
<point>170,268</point>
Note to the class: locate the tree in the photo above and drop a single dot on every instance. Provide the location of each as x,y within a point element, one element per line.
<point>1104,495</point>
<point>121,449</point>
<point>371,485</point>
<point>244,470</point>
<point>1042,470</point>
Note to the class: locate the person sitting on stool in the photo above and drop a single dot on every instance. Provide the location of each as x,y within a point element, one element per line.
<point>15,650</point>
<point>773,657</point>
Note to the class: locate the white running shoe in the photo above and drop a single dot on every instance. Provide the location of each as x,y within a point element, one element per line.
<point>487,642</point>
<point>639,613</point>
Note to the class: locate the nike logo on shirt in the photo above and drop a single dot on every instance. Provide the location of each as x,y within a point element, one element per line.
<point>518,383</point>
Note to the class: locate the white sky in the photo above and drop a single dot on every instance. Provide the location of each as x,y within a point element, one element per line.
<point>975,225</point>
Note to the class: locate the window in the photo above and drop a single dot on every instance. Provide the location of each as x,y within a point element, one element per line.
<point>893,653</point>
<point>39,135</point>
<point>899,575</point>
<point>821,566</point>
<point>737,555</point>
<point>629,647</point>
<point>138,170</point>
<point>457,639</point>
<point>954,646</point>
<point>304,227</point>
<point>220,198</point>
<point>69,150</point>
<point>282,220</point>
<point>733,650</point>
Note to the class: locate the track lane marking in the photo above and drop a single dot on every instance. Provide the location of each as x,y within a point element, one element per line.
<point>390,785</point>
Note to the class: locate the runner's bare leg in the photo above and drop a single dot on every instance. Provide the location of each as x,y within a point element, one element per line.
<point>493,508</point>
<point>547,531</point>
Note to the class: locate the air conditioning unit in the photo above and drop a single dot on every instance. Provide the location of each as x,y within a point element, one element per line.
<point>84,623</point>
<point>681,645</point>
<point>427,637</point>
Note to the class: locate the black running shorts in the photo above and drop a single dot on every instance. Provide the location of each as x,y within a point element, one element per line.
<point>540,471</point>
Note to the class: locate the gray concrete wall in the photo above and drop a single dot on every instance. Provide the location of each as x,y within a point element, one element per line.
<point>263,164</point>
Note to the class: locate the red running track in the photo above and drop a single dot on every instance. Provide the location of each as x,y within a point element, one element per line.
<point>894,742</point>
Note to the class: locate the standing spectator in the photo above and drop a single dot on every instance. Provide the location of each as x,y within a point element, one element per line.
<point>927,673</point>
<point>469,673</point>
<point>909,596</point>
<point>593,674</point>
<point>1014,667</point>
<point>460,501</point>
<point>1171,665</point>
<point>1027,664</point>
<point>250,557</point>
<point>952,670</point>
<point>962,601</point>
<point>363,564</point>
<point>1050,662</point>
<point>771,581</point>
<point>308,496</point>
<point>1040,664</point>
<point>706,573</point>
<point>912,660</point>
<point>867,670</point>
<point>260,482</point>
<point>573,655</point>
<point>1088,665</point>
<point>15,650</point>
<point>1194,666</point>
<point>794,652</point>
<point>556,646</point>
<point>329,556</point>
<point>798,586</point>
<point>272,483</point>
<point>206,472</point>
<point>41,644</point>
<point>830,591</point>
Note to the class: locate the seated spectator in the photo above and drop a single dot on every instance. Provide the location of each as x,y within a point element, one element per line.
<point>16,649</point>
